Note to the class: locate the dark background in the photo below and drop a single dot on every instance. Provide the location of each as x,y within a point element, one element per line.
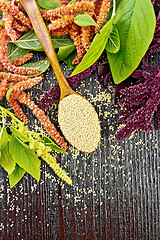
<point>115,192</point>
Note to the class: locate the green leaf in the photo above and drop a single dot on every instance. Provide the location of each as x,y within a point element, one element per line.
<point>62,41</point>
<point>113,43</point>
<point>135,21</point>
<point>6,160</point>
<point>68,60</point>
<point>30,41</point>
<point>48,142</point>
<point>84,20</point>
<point>9,93</point>
<point>25,157</point>
<point>15,52</point>
<point>2,24</point>
<point>43,65</point>
<point>16,175</point>
<point>18,134</point>
<point>65,51</point>
<point>4,138</point>
<point>96,48</point>
<point>49,4</point>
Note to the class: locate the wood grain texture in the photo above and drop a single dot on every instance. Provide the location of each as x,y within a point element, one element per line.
<point>115,192</point>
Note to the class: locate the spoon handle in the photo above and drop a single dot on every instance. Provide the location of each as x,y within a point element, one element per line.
<point>42,33</point>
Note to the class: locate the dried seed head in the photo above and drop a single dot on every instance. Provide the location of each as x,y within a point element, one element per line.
<point>79,123</point>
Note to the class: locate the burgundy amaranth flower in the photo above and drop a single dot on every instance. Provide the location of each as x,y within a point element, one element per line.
<point>54,93</point>
<point>50,97</point>
<point>156,5</point>
<point>104,75</point>
<point>139,104</point>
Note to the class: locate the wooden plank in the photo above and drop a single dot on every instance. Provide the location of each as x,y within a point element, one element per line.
<point>115,192</point>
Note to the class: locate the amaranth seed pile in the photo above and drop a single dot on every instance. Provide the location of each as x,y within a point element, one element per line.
<point>79,123</point>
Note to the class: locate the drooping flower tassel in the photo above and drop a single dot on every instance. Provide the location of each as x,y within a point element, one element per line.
<point>1,67</point>
<point>63,3</point>
<point>45,153</point>
<point>14,78</point>
<point>4,39</point>
<point>98,7</point>
<point>86,36</point>
<point>15,12</point>
<point>45,121</point>
<point>46,16</point>
<point>3,88</point>
<point>18,110</point>
<point>79,7</point>
<point>8,21</point>
<point>21,60</point>
<point>56,167</point>
<point>106,4</point>
<point>76,36</point>
<point>19,27</point>
<point>61,22</point>
<point>60,32</point>
<point>21,86</point>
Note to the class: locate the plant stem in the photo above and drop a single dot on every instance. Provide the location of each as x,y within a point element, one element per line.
<point>2,109</point>
<point>114,8</point>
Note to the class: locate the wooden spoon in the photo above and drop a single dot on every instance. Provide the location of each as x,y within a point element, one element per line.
<point>42,33</point>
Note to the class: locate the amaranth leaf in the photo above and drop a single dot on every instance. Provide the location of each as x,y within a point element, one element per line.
<point>25,157</point>
<point>113,43</point>
<point>135,21</point>
<point>16,175</point>
<point>84,20</point>
<point>6,160</point>
<point>30,41</point>
<point>96,48</point>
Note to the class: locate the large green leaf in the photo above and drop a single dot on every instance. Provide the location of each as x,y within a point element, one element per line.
<point>135,21</point>
<point>6,160</point>
<point>48,142</point>
<point>65,51</point>
<point>61,41</point>
<point>84,20</point>
<point>18,134</point>
<point>68,60</point>
<point>113,43</point>
<point>2,24</point>
<point>16,175</point>
<point>49,4</point>
<point>43,65</point>
<point>25,157</point>
<point>96,48</point>
<point>30,41</point>
<point>4,137</point>
<point>15,52</point>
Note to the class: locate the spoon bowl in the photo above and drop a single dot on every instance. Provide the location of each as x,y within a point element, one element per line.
<point>74,107</point>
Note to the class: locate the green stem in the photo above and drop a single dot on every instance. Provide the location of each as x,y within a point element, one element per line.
<point>10,114</point>
<point>114,8</point>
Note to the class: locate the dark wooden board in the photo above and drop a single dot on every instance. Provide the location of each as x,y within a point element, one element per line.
<point>115,192</point>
